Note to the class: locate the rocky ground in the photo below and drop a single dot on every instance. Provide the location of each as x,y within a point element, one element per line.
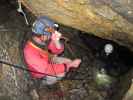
<point>89,82</point>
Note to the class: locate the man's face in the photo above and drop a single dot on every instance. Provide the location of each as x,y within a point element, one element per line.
<point>44,38</point>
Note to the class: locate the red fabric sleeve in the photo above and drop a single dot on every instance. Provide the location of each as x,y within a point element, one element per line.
<point>41,65</point>
<point>52,47</point>
<point>55,69</point>
<point>38,62</point>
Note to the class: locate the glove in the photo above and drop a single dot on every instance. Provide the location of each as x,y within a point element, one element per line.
<point>73,64</point>
<point>56,36</point>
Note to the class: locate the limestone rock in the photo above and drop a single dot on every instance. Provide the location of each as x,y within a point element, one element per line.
<point>111,19</point>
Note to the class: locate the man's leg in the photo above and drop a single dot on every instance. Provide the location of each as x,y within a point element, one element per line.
<point>60,60</point>
<point>50,80</point>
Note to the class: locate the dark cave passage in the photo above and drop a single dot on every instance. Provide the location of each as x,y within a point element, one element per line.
<point>119,62</point>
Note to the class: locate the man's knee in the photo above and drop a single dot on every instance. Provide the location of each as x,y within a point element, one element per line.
<point>50,80</point>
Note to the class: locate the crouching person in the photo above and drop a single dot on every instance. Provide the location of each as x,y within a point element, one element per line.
<point>42,50</point>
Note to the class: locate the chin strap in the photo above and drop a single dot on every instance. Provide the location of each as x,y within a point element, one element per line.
<point>20,10</point>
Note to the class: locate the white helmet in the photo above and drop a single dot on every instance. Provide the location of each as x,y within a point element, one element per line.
<point>108,48</point>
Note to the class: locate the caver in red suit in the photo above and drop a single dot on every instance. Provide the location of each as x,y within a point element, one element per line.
<point>38,60</point>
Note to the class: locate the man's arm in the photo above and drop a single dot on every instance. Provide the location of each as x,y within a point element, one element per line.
<point>55,45</point>
<point>54,49</point>
<point>41,64</point>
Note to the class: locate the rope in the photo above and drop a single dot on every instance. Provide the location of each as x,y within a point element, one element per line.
<point>20,10</point>
<point>25,69</point>
<point>22,68</point>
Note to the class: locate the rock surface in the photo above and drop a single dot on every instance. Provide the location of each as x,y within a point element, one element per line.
<point>111,19</point>
<point>82,84</point>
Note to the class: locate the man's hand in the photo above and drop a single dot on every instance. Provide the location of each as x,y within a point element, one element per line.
<point>56,36</point>
<point>74,64</point>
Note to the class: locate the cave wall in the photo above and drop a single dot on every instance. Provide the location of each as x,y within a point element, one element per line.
<point>111,19</point>
<point>13,84</point>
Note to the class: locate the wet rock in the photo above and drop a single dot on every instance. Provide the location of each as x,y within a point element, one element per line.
<point>80,84</point>
<point>13,85</point>
<point>34,95</point>
<point>129,94</point>
<point>100,17</point>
